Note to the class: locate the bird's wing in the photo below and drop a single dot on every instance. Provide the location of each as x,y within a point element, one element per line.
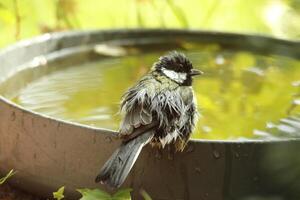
<point>138,116</point>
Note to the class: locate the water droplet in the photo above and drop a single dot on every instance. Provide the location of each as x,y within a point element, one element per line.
<point>198,170</point>
<point>57,127</point>
<point>94,139</point>
<point>108,139</point>
<point>190,148</point>
<point>158,154</point>
<point>237,155</point>
<point>13,116</point>
<point>216,154</point>
<point>170,155</point>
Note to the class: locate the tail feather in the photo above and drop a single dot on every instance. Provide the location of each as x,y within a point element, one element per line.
<point>116,169</point>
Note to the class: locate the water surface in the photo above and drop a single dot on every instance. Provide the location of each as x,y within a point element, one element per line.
<point>240,96</point>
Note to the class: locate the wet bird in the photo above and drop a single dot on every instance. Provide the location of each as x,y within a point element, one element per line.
<point>160,109</point>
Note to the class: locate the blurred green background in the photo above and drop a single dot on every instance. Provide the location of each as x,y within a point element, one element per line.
<point>25,18</point>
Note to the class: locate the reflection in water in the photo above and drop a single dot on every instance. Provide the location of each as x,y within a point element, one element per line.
<point>240,96</point>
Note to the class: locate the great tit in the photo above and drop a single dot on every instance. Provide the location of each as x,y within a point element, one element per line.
<point>159,109</point>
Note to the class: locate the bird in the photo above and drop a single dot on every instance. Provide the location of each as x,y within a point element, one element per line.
<point>160,109</point>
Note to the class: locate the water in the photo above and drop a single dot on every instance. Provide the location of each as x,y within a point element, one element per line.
<point>240,95</point>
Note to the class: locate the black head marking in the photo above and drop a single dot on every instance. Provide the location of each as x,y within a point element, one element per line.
<point>175,61</point>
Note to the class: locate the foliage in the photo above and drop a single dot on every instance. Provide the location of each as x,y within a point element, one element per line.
<point>97,194</point>
<point>88,194</point>
<point>59,194</point>
<point>24,18</point>
<point>10,174</point>
<point>145,195</point>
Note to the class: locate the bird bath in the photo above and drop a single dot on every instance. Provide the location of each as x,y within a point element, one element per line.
<point>50,146</point>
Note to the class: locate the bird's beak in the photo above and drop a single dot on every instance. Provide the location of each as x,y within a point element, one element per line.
<point>196,72</point>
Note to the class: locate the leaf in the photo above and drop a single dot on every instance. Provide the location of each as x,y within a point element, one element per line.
<point>10,174</point>
<point>178,13</point>
<point>145,195</point>
<point>123,194</point>
<point>94,194</point>
<point>59,194</point>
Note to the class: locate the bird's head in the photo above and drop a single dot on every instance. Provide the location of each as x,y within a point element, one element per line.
<point>177,67</point>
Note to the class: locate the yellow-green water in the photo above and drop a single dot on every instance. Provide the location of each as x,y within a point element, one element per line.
<point>239,94</point>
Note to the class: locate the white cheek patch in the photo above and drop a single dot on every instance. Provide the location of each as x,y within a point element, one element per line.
<point>179,77</point>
